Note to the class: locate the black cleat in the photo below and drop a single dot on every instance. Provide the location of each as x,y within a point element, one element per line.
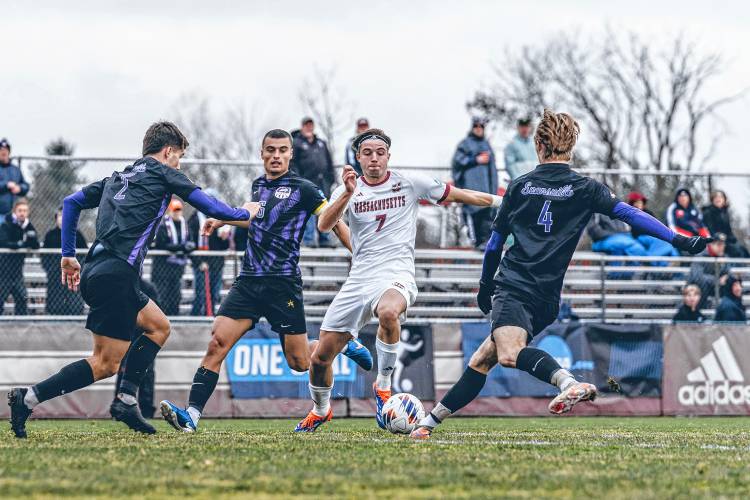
<point>131,416</point>
<point>19,412</point>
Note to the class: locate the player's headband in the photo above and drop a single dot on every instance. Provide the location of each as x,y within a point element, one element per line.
<point>370,137</point>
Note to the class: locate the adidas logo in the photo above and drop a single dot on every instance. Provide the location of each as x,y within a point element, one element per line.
<point>718,381</point>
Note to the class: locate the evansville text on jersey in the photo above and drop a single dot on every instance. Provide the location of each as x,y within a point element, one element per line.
<point>380,204</point>
<point>561,192</point>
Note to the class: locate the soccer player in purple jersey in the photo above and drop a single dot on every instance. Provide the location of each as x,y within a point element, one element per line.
<point>131,204</point>
<point>270,283</point>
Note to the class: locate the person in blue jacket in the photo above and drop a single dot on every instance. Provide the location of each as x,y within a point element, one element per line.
<point>730,308</point>
<point>474,168</point>
<point>12,183</point>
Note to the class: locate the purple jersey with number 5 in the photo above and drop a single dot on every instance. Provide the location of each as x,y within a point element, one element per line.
<point>546,211</point>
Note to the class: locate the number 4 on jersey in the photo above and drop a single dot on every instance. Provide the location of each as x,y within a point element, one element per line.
<point>545,217</point>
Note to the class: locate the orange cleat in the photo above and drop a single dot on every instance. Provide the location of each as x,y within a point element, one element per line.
<point>421,433</point>
<point>381,397</point>
<point>312,421</point>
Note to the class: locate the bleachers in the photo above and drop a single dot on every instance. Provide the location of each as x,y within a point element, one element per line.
<point>597,287</point>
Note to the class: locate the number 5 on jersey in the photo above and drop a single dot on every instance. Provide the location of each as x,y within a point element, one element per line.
<point>545,217</point>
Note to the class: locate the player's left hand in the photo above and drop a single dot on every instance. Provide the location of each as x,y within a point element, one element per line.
<point>484,297</point>
<point>693,245</point>
<point>349,178</point>
<point>70,272</point>
<point>210,225</point>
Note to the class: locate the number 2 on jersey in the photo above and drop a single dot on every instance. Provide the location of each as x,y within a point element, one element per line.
<point>121,193</point>
<point>545,217</point>
<point>380,218</point>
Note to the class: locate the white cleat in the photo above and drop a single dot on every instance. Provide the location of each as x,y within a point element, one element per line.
<point>566,400</point>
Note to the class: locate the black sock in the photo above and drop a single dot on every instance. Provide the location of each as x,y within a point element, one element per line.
<point>140,356</point>
<point>204,384</point>
<point>538,363</point>
<point>70,378</point>
<point>465,390</point>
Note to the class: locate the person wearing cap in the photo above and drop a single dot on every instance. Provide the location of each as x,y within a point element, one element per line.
<point>474,168</point>
<point>684,218</point>
<point>17,234</point>
<point>653,246</point>
<point>350,156</point>
<point>167,270</point>
<point>520,153</point>
<point>704,273</point>
<point>311,159</point>
<point>12,183</point>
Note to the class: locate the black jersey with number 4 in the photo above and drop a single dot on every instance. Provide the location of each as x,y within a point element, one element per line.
<point>546,210</point>
<point>131,204</point>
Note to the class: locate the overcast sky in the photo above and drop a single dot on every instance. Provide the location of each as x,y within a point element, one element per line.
<point>99,72</point>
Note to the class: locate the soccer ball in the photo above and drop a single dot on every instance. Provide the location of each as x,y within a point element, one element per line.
<point>401,413</point>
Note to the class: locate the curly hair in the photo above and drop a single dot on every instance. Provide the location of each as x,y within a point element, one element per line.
<point>556,135</point>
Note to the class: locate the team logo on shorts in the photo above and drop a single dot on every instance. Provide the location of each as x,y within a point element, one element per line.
<point>283,192</point>
<point>290,304</point>
<point>398,285</point>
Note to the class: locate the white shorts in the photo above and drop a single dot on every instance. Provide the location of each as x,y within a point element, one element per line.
<point>355,303</point>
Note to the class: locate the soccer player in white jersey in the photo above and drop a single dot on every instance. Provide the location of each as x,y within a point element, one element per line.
<point>382,206</point>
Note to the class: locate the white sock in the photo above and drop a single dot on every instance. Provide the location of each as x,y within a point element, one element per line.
<point>563,379</point>
<point>321,397</point>
<point>387,356</point>
<point>30,399</point>
<point>435,417</point>
<point>195,415</point>
<point>128,399</point>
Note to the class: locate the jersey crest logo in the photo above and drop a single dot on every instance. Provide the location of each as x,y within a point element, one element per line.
<point>139,168</point>
<point>283,192</point>
<point>396,187</point>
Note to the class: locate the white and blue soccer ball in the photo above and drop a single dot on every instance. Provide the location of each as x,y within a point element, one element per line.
<point>402,412</point>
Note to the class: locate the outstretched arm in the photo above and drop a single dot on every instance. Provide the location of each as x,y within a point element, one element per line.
<point>476,198</point>
<point>335,210</point>
<point>651,226</point>
<point>217,208</point>
<point>492,255</point>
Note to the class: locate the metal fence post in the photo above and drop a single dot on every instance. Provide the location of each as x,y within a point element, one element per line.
<point>602,279</point>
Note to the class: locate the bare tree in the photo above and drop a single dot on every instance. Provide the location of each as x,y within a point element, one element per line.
<point>639,107</point>
<point>228,134</point>
<point>326,103</point>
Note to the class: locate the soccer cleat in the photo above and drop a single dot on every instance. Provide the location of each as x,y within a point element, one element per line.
<point>177,417</point>
<point>566,400</point>
<point>312,421</point>
<point>19,412</point>
<point>359,354</point>
<point>380,399</point>
<point>421,433</point>
<point>131,416</point>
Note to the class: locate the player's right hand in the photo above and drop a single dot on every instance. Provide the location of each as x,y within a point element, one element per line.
<point>70,273</point>
<point>253,207</point>
<point>692,245</point>
<point>349,178</point>
<point>484,296</point>
<point>210,225</point>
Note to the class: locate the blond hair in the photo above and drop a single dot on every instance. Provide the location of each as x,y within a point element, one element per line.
<point>556,136</point>
<point>691,287</point>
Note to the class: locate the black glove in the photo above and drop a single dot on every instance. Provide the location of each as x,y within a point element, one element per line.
<point>484,297</point>
<point>692,245</point>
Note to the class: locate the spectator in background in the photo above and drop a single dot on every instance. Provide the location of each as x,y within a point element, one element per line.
<point>60,300</point>
<point>704,274</point>
<point>474,168</point>
<point>17,234</point>
<point>612,236</point>
<point>12,183</point>
<point>689,312</point>
<point>654,246</point>
<point>730,308</point>
<point>312,160</point>
<point>717,220</point>
<point>167,270</point>
<point>684,218</point>
<point>350,155</point>
<point>520,153</point>
<point>207,269</point>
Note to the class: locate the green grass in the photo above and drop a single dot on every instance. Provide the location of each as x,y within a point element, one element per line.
<point>467,458</point>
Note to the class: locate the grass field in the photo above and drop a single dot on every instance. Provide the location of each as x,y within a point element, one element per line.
<point>467,458</point>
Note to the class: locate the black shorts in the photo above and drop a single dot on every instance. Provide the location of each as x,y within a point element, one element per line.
<point>277,298</point>
<point>513,308</point>
<point>111,288</point>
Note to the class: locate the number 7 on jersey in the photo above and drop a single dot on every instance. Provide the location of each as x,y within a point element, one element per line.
<point>545,217</point>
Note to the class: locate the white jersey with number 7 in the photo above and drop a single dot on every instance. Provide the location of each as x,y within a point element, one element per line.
<point>383,222</point>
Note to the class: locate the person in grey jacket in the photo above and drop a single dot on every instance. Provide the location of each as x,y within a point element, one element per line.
<point>12,183</point>
<point>520,153</point>
<point>704,274</point>
<point>474,168</point>
<point>350,156</point>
